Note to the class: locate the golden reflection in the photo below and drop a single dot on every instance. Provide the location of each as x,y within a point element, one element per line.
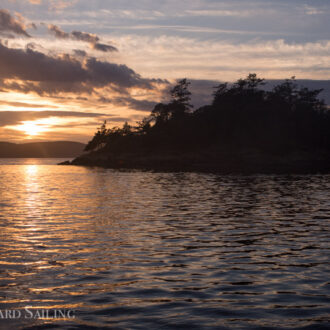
<point>32,187</point>
<point>32,203</point>
<point>31,169</point>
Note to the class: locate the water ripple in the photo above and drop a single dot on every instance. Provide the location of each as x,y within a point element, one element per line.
<point>161,250</point>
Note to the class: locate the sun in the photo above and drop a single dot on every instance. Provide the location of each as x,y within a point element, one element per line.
<point>32,128</point>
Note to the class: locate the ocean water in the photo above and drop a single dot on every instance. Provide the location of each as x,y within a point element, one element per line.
<point>142,250</point>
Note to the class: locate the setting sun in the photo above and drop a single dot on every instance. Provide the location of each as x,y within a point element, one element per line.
<point>36,127</point>
<point>31,128</point>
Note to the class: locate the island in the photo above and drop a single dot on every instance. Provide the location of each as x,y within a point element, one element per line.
<point>245,129</point>
<point>55,149</point>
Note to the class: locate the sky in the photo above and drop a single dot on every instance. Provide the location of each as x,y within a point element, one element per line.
<point>68,65</point>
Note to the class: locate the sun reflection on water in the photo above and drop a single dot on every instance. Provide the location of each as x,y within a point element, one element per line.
<point>111,244</point>
<point>31,170</point>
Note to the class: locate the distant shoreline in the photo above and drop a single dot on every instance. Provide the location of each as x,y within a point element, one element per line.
<point>56,149</point>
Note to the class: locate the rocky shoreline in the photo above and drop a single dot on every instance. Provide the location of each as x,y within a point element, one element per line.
<point>211,161</point>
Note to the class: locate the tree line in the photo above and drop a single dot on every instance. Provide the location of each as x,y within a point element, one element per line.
<point>241,115</point>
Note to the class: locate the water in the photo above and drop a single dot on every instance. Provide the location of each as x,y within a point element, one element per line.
<point>139,250</point>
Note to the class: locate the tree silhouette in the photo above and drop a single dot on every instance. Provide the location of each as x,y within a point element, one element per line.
<point>143,127</point>
<point>181,94</point>
<point>100,138</point>
<point>242,115</point>
<point>181,97</point>
<point>161,113</point>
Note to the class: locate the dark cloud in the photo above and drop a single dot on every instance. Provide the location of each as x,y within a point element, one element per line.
<point>10,24</point>
<point>103,47</point>
<point>130,102</point>
<point>32,65</point>
<point>103,73</point>
<point>84,36</point>
<point>57,32</point>
<point>80,53</point>
<point>92,39</point>
<point>31,70</point>
<point>50,88</point>
<point>16,117</point>
<point>143,105</point>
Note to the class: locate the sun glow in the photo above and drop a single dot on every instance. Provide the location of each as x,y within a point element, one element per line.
<point>32,128</point>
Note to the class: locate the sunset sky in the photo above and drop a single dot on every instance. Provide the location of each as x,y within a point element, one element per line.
<point>66,65</point>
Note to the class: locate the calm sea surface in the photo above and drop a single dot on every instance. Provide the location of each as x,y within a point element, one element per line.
<point>141,250</point>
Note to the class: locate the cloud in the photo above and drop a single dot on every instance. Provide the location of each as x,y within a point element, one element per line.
<point>32,71</point>
<point>103,47</point>
<point>58,33</point>
<point>84,36</point>
<point>25,105</point>
<point>92,39</point>
<point>61,4</point>
<point>10,24</point>
<point>225,59</point>
<point>80,53</point>
<point>130,102</point>
<point>103,73</point>
<point>31,65</point>
<point>16,117</point>
<point>76,35</point>
<point>312,10</point>
<point>200,29</point>
<point>220,13</point>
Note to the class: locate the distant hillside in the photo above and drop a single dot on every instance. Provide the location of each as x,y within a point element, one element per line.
<point>59,149</point>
